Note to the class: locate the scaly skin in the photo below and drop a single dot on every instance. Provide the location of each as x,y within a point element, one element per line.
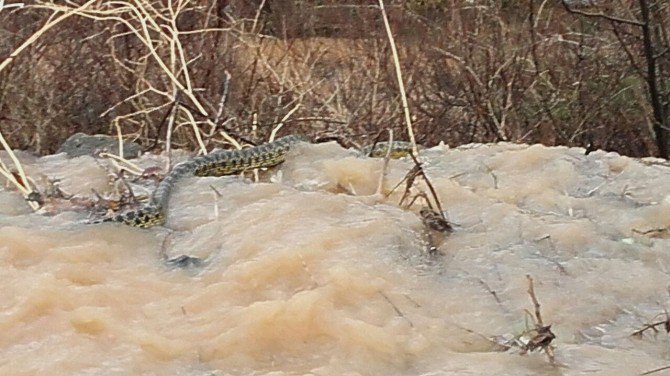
<point>218,163</point>
<point>399,149</point>
<point>229,162</point>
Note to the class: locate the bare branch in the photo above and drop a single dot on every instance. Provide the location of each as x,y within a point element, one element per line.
<point>601,15</point>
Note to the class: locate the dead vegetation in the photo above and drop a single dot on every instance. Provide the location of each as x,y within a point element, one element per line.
<point>536,337</point>
<point>654,324</point>
<point>202,74</point>
<point>653,327</point>
<point>17,177</point>
<point>665,324</point>
<point>540,335</point>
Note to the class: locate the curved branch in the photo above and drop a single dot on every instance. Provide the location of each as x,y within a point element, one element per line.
<point>601,15</point>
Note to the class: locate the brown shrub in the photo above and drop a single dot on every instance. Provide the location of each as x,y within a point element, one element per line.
<point>523,71</point>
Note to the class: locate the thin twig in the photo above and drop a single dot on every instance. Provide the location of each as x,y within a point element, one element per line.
<point>655,370</point>
<point>396,309</point>
<point>224,96</point>
<point>536,304</point>
<point>231,140</point>
<point>134,169</point>
<point>409,179</point>
<point>120,176</point>
<point>601,15</point>
<point>489,290</point>
<point>279,126</point>
<point>170,125</point>
<point>24,188</point>
<point>119,135</point>
<point>433,192</point>
<point>542,334</point>
<point>401,84</point>
<point>196,131</point>
<point>385,165</point>
<point>41,32</point>
<point>650,326</point>
<point>258,14</point>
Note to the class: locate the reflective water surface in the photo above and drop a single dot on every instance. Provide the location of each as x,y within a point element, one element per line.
<point>310,272</point>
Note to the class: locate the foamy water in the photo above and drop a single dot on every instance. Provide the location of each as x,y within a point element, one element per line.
<point>310,272</point>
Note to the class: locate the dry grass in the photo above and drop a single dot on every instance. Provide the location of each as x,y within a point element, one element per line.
<point>199,75</point>
<point>17,177</point>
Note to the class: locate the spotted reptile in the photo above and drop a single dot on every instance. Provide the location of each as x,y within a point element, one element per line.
<point>230,162</point>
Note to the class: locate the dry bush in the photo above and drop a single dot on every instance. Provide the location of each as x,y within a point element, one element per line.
<point>529,73</point>
<point>60,85</point>
<point>478,71</point>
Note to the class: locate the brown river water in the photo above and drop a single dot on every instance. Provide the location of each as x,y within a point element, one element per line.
<point>308,272</point>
